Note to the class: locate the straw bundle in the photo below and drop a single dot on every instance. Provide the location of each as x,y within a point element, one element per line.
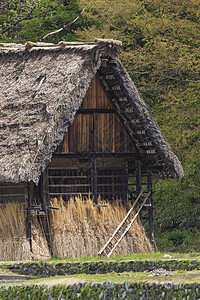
<point>78,229</point>
<point>13,242</point>
<point>81,229</point>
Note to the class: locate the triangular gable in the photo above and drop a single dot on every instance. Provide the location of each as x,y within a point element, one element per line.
<point>97,126</point>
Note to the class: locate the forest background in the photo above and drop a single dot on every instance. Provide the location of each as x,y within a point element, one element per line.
<point>161,40</point>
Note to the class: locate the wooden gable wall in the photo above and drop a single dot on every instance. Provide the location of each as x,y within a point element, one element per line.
<point>97,126</point>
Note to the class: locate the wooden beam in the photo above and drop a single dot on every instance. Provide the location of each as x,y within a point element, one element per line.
<point>96,111</point>
<point>123,99</point>
<point>150,209</point>
<point>87,193</point>
<point>116,88</point>
<point>68,177</point>
<point>86,177</point>
<point>139,182</point>
<point>69,185</point>
<point>135,121</point>
<point>28,217</point>
<point>151,151</point>
<point>141,132</point>
<point>145,144</point>
<point>98,154</point>
<point>138,176</point>
<point>94,179</point>
<point>110,77</point>
<point>45,220</point>
<point>129,110</point>
<point>11,195</point>
<point>45,187</point>
<point>67,194</point>
<point>18,185</point>
<point>152,167</point>
<point>104,62</point>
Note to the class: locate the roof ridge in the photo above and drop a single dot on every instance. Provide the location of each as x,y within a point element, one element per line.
<point>62,44</point>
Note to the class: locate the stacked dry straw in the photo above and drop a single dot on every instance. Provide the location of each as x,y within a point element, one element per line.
<point>81,229</point>
<point>78,229</point>
<point>13,242</point>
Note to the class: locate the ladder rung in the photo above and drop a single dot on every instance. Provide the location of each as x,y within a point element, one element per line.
<point>128,219</point>
<point>111,243</point>
<point>118,231</point>
<point>109,246</point>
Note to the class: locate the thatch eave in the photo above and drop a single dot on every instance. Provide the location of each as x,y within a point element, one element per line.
<point>149,122</point>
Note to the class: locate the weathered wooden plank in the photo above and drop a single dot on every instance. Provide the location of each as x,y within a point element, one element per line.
<point>28,216</point>
<point>138,176</point>
<point>8,186</point>
<point>151,151</point>
<point>94,180</point>
<point>69,185</point>
<point>11,195</point>
<point>95,110</point>
<point>94,99</point>
<point>91,134</point>
<point>89,155</point>
<point>68,194</point>
<point>141,132</point>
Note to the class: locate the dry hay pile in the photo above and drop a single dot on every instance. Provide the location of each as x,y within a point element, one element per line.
<point>81,229</point>
<point>13,242</point>
<point>78,229</point>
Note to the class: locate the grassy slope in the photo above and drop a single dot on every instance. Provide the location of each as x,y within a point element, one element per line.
<point>161,52</point>
<point>176,276</point>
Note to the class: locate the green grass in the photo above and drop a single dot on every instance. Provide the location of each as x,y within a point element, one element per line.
<point>135,257</point>
<point>114,277</point>
<point>175,277</point>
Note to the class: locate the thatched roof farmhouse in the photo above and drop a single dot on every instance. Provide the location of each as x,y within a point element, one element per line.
<point>72,121</point>
<point>42,88</point>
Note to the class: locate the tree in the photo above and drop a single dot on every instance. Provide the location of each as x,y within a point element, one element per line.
<point>23,20</point>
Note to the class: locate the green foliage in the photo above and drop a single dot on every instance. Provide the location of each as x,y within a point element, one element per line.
<point>24,20</point>
<point>176,237</point>
<point>178,202</point>
<point>178,240</point>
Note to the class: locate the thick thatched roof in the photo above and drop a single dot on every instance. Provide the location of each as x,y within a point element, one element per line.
<point>42,87</point>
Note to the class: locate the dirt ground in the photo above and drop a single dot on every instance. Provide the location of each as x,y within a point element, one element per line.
<point>8,278</point>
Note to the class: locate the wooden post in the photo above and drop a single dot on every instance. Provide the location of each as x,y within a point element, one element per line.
<point>45,193</point>
<point>139,182</point>
<point>94,179</point>
<point>45,189</point>
<point>126,182</point>
<point>150,210</point>
<point>28,217</point>
<point>138,176</point>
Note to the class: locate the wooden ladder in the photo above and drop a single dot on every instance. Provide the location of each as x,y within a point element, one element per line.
<point>124,226</point>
